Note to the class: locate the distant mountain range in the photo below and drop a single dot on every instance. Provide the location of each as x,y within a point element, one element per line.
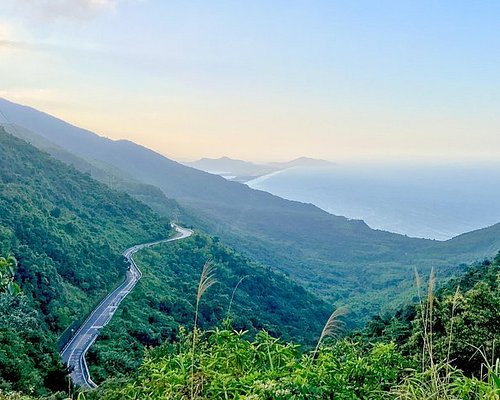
<point>244,171</point>
<point>342,260</point>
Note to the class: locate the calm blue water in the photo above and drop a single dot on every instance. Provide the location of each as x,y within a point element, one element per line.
<point>436,202</point>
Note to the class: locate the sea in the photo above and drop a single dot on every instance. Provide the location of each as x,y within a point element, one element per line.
<point>437,201</point>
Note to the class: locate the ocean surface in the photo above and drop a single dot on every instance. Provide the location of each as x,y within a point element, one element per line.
<point>429,201</point>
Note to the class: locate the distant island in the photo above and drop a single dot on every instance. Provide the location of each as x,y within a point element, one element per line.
<point>244,171</point>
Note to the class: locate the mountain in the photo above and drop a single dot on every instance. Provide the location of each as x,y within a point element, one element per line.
<point>104,173</point>
<point>340,259</point>
<point>229,167</point>
<point>305,162</point>
<point>244,171</point>
<point>66,232</point>
<point>62,234</point>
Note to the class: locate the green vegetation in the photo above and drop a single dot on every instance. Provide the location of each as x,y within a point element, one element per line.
<point>230,366</point>
<point>224,364</point>
<point>466,309</point>
<point>7,270</point>
<point>61,238</point>
<point>164,301</point>
<point>66,232</point>
<point>102,172</point>
<point>341,260</point>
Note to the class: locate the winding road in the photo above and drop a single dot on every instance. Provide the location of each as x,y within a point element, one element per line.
<point>73,354</point>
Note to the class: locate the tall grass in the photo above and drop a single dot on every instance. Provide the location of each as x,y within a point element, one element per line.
<point>454,303</point>
<point>232,294</point>
<point>332,328</point>
<point>207,279</point>
<point>439,379</point>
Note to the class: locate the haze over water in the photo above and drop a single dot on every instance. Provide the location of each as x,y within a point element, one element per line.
<point>430,201</point>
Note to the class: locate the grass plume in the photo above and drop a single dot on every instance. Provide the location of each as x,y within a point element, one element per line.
<point>207,279</point>
<point>234,291</point>
<point>332,327</point>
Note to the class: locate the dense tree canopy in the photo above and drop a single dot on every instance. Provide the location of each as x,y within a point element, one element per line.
<point>463,320</point>
<point>67,233</point>
<point>61,238</point>
<point>163,302</point>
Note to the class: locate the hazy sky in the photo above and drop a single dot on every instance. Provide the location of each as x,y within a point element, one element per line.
<point>265,79</point>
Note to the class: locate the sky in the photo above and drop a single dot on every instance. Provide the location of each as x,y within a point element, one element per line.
<point>264,80</point>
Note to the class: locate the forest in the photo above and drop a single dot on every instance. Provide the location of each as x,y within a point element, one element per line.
<point>253,333</point>
<point>442,347</point>
<point>66,233</point>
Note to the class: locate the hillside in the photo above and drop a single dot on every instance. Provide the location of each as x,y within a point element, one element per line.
<point>342,260</point>
<point>161,306</point>
<point>441,347</point>
<point>112,177</point>
<point>67,232</point>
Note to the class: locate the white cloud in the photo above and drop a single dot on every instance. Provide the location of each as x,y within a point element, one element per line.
<point>64,9</point>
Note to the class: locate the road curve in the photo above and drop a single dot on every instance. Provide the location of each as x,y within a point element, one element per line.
<point>73,354</point>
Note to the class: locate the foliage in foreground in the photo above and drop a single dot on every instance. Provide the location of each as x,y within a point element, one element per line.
<point>164,300</point>
<point>462,324</point>
<point>228,366</point>
<point>426,365</point>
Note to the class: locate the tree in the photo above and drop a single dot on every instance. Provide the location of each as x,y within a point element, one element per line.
<point>7,271</point>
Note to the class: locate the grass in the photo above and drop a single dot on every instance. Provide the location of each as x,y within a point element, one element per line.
<point>207,279</point>
<point>332,327</point>
<point>222,364</point>
<point>438,379</point>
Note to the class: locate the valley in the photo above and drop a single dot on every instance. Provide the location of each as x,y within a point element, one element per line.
<point>334,257</point>
<point>56,219</point>
<point>263,200</point>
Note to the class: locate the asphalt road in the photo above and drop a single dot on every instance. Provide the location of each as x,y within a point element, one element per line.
<point>73,354</point>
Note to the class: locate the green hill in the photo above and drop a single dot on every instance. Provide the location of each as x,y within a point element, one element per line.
<point>341,260</point>
<point>163,303</point>
<point>67,232</point>
<point>443,347</point>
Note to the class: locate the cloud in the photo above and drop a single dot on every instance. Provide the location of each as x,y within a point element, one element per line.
<point>12,44</point>
<point>65,9</point>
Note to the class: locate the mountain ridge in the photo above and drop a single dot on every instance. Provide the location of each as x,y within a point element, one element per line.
<point>67,232</point>
<point>335,257</point>
<point>244,171</point>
